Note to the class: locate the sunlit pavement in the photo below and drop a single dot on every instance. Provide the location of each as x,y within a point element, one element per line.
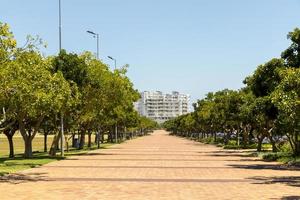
<point>158,166</point>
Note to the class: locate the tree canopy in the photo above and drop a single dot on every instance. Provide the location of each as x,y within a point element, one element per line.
<point>36,89</point>
<point>267,107</point>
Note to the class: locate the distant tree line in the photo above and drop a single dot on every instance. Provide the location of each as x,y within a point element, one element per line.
<point>268,107</point>
<point>37,91</point>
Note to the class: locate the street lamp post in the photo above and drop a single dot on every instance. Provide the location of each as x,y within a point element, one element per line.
<point>59,22</point>
<point>113,60</point>
<point>116,125</point>
<point>62,117</point>
<point>97,37</point>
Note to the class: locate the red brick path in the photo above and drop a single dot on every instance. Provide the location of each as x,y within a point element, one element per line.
<point>156,167</point>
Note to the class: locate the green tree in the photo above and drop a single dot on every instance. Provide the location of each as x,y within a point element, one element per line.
<point>30,91</point>
<point>262,83</point>
<point>292,54</point>
<point>7,44</point>
<point>74,71</point>
<point>287,98</point>
<point>8,48</point>
<point>247,115</point>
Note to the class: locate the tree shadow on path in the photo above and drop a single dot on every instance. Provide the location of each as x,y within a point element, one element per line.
<point>23,178</point>
<point>265,166</point>
<point>290,198</point>
<point>287,180</point>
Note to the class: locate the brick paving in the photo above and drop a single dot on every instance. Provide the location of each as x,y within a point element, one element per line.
<point>156,167</point>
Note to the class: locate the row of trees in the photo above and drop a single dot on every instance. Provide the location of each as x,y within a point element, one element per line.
<point>267,107</point>
<point>37,92</point>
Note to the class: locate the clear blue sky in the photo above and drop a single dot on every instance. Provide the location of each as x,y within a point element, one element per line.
<point>192,46</point>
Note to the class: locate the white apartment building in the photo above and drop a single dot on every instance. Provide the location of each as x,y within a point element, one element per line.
<point>162,107</point>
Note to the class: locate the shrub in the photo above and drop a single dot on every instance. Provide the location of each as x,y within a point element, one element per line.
<point>219,145</point>
<point>270,156</point>
<point>231,146</point>
<point>275,156</point>
<point>209,140</point>
<point>234,146</point>
<point>285,147</point>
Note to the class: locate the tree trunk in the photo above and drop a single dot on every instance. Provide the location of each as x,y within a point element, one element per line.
<point>9,133</point>
<point>296,144</point>
<point>89,139</point>
<point>245,137</point>
<point>28,134</point>
<point>11,146</point>
<point>78,135</point>
<point>259,143</point>
<point>67,143</point>
<point>102,137</point>
<point>225,138</point>
<point>237,135</point>
<point>45,141</point>
<point>54,144</point>
<point>125,133</point>
<point>98,139</point>
<point>110,137</point>
<point>297,149</point>
<point>274,147</point>
<point>28,148</point>
<point>82,140</point>
<point>73,140</point>
<point>27,142</point>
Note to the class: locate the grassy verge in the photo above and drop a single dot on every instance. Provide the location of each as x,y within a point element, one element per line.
<point>37,144</point>
<point>232,144</point>
<point>283,157</point>
<point>265,147</point>
<point>19,163</point>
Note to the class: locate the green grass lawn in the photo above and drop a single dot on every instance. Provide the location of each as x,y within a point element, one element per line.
<point>37,144</point>
<point>39,157</point>
<point>19,163</point>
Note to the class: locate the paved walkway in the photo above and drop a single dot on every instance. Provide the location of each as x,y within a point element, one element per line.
<point>156,167</point>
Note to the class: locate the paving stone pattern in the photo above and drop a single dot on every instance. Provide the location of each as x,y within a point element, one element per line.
<point>156,167</point>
